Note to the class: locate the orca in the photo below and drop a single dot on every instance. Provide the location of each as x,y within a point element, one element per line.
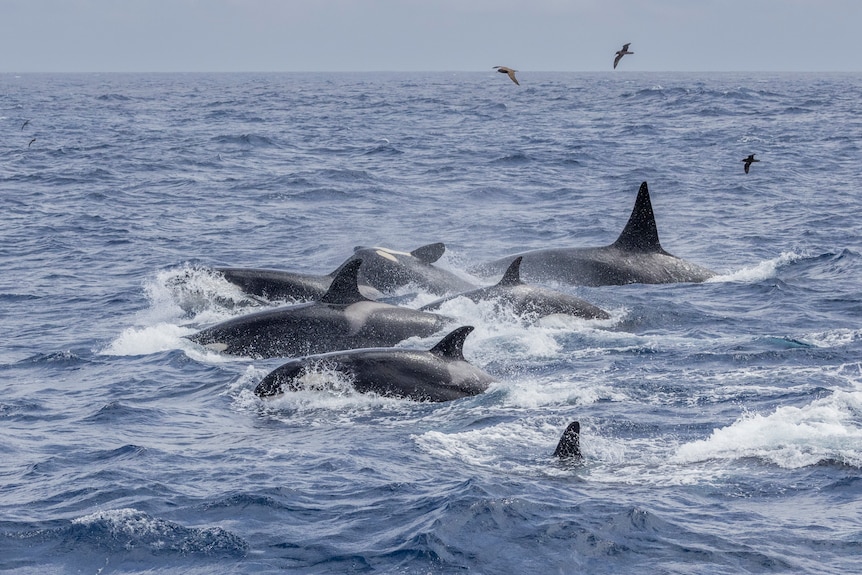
<point>383,271</point>
<point>342,319</point>
<point>526,299</point>
<point>436,375</point>
<point>635,257</point>
<point>569,446</point>
<point>388,270</point>
<point>272,284</point>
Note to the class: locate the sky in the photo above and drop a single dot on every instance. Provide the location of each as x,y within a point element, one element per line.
<point>427,35</point>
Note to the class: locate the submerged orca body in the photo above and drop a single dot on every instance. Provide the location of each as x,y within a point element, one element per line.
<point>636,257</point>
<point>388,270</point>
<point>342,319</point>
<point>439,374</point>
<point>526,299</point>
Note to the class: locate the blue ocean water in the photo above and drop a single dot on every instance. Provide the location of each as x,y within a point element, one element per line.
<point>721,422</point>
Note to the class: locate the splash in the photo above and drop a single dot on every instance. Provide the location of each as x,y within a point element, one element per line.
<point>150,339</point>
<point>833,338</point>
<point>180,298</point>
<point>826,430</point>
<point>199,292</point>
<point>763,270</point>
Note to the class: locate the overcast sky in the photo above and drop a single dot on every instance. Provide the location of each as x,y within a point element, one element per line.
<point>427,35</point>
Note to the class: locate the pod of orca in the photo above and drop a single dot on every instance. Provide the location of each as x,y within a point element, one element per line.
<point>382,271</point>
<point>342,319</point>
<point>345,323</point>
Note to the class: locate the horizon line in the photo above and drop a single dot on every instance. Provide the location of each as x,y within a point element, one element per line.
<point>382,71</point>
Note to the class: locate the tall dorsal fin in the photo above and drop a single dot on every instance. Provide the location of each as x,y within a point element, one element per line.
<point>430,253</point>
<point>512,277</point>
<point>569,446</point>
<point>344,288</point>
<point>640,233</point>
<point>452,346</point>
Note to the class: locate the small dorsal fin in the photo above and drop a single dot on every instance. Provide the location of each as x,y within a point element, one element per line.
<point>569,446</point>
<point>640,233</point>
<point>344,288</point>
<point>452,346</point>
<point>430,253</point>
<point>512,277</point>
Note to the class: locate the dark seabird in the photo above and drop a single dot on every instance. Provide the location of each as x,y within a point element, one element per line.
<point>31,141</point>
<point>25,123</point>
<point>509,71</point>
<point>621,53</point>
<point>748,161</point>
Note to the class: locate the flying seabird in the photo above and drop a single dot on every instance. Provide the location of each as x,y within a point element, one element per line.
<point>621,53</point>
<point>748,161</point>
<point>31,141</point>
<point>25,123</point>
<point>509,71</point>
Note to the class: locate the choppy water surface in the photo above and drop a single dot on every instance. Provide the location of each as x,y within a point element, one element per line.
<point>721,422</point>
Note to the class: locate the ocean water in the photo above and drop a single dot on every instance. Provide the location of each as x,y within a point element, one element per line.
<point>721,422</point>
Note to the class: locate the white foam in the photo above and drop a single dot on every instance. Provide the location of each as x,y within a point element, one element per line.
<point>827,429</point>
<point>127,521</point>
<point>111,515</point>
<point>149,339</point>
<point>486,447</point>
<point>555,391</point>
<point>832,338</point>
<point>763,270</point>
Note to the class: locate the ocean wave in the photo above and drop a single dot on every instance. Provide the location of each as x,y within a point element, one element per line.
<point>122,531</point>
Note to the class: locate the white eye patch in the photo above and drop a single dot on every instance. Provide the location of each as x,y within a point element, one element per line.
<point>386,255</point>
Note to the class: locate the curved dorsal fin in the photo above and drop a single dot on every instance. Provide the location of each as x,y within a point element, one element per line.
<point>430,253</point>
<point>640,233</point>
<point>452,346</point>
<point>344,288</point>
<point>570,443</point>
<point>512,277</point>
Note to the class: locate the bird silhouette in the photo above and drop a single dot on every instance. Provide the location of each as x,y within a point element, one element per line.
<point>25,123</point>
<point>31,141</point>
<point>621,53</point>
<point>748,162</point>
<point>509,71</point>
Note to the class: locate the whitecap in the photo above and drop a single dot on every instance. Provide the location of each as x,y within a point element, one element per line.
<point>826,430</point>
<point>761,271</point>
